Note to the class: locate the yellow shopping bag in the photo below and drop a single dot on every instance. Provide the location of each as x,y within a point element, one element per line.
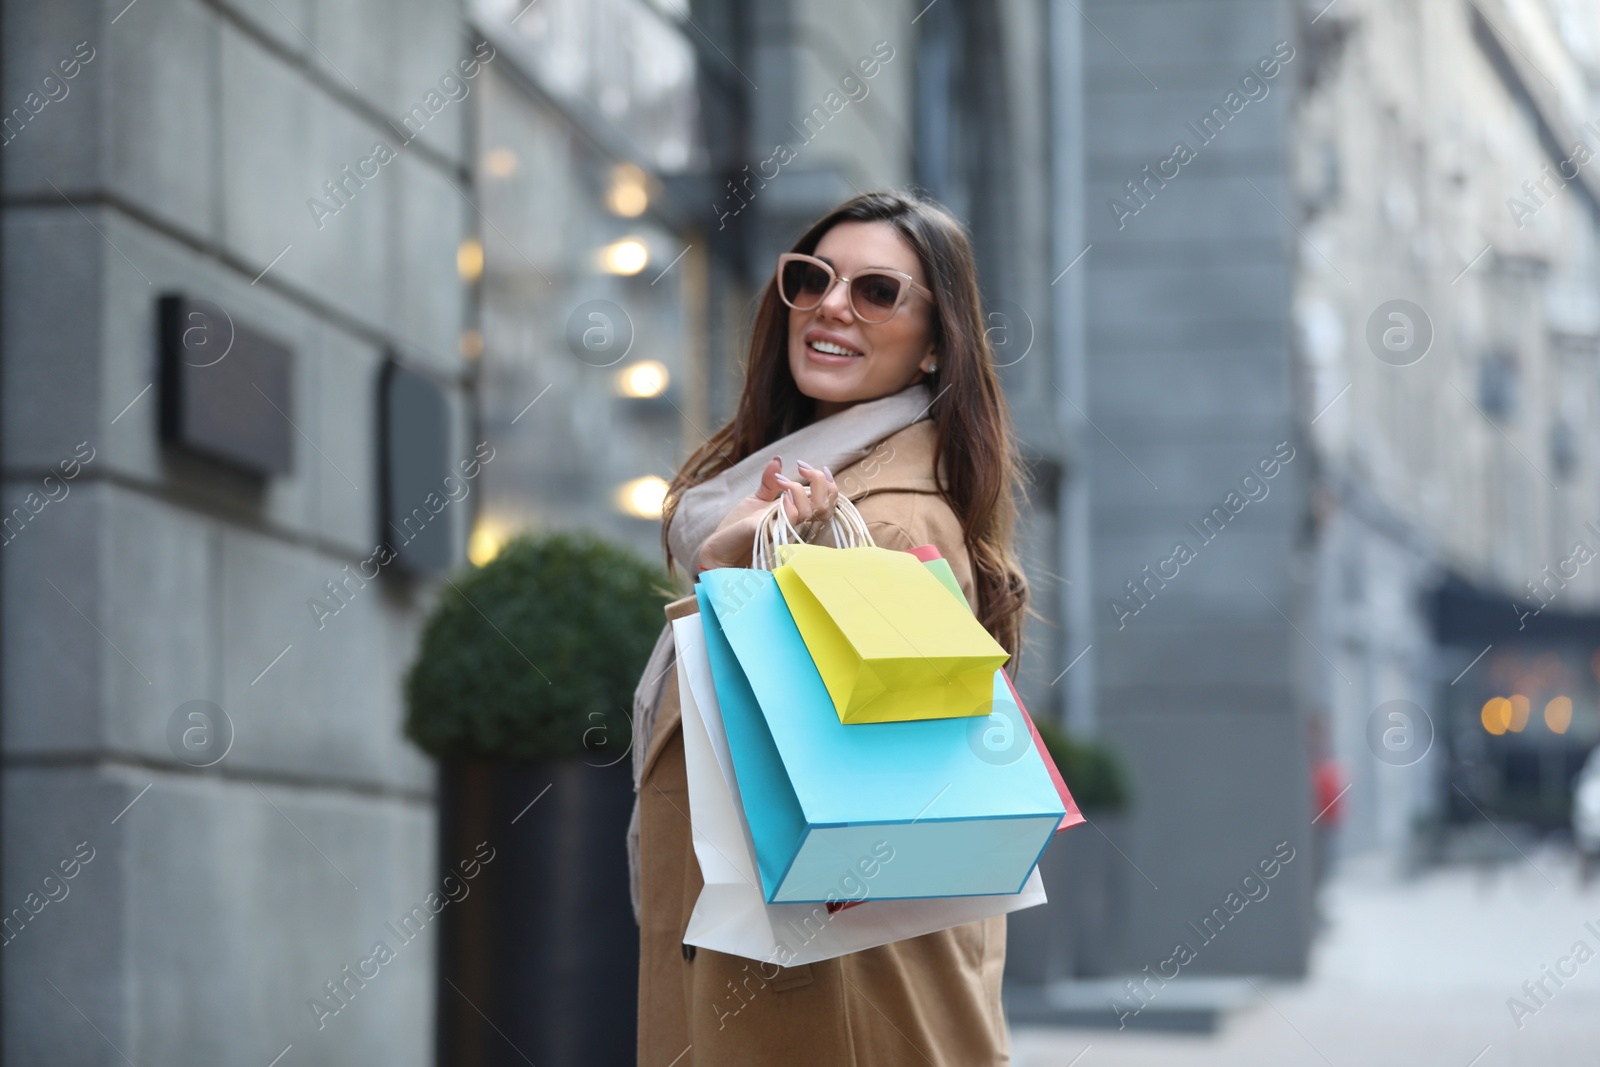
<point>889,640</point>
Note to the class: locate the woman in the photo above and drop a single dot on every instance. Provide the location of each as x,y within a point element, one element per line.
<point>869,368</point>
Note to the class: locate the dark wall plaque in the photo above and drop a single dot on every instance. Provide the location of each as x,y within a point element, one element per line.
<point>225,387</point>
<point>416,513</point>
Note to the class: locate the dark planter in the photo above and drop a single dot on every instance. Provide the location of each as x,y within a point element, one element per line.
<point>540,961</point>
<point>1077,933</point>
<point>1039,941</point>
<point>1100,887</point>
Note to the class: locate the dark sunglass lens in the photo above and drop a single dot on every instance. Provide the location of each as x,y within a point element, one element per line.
<point>876,292</point>
<point>804,283</point>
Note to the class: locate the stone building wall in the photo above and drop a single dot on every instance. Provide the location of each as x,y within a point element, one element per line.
<point>185,156</point>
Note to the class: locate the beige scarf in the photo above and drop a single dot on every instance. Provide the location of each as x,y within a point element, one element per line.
<point>834,442</point>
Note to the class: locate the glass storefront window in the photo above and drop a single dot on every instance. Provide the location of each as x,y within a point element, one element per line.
<point>626,59</point>
<point>586,321</point>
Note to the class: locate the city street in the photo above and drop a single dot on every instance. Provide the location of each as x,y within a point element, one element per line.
<point>1406,972</point>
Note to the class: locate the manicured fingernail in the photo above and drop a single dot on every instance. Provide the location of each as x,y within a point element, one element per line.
<point>828,472</point>
<point>803,465</point>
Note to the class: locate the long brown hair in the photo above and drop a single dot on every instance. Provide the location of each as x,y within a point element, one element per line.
<point>976,452</point>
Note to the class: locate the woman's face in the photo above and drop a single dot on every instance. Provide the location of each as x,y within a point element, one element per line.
<point>880,358</point>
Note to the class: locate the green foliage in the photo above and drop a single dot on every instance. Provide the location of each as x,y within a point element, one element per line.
<point>536,655</point>
<point>1092,771</point>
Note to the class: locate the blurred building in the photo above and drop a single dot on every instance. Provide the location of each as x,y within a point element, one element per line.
<point>202,650</point>
<point>1337,342</point>
<point>1449,316</point>
<point>1177,136</point>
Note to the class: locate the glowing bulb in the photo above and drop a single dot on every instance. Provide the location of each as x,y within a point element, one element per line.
<point>645,379</point>
<point>1520,706</point>
<point>627,256</point>
<point>1496,715</point>
<point>1558,714</point>
<point>469,259</point>
<point>488,538</point>
<point>643,497</point>
<point>500,163</point>
<point>629,194</point>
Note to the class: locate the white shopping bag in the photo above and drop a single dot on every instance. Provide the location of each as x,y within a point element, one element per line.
<point>731,914</point>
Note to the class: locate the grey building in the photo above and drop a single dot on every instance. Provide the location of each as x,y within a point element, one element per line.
<point>1194,472</point>
<point>226,152</point>
<point>1448,326</point>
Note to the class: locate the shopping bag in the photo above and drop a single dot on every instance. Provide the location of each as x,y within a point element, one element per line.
<point>940,568</point>
<point>818,794</point>
<point>887,639</point>
<point>731,914</point>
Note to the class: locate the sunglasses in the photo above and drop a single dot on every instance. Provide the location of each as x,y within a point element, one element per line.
<point>874,295</point>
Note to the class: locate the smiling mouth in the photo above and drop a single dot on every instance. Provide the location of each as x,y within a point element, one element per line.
<point>828,348</point>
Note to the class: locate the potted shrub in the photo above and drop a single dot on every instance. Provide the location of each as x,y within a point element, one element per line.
<point>522,689</point>
<point>1091,770</point>
<point>1075,934</point>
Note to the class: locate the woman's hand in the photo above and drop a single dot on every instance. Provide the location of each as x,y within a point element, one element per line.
<point>810,501</point>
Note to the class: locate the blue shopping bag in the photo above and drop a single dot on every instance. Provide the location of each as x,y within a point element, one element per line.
<point>922,808</point>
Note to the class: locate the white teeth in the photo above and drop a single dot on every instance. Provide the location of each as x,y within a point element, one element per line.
<point>832,349</point>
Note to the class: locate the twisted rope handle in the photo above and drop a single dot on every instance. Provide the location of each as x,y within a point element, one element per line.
<point>849,530</point>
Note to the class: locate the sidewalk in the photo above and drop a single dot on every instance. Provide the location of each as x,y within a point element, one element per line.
<point>1406,973</point>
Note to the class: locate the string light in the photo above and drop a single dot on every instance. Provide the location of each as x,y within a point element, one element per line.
<point>1558,714</point>
<point>489,536</point>
<point>629,194</point>
<point>1496,715</point>
<point>643,497</point>
<point>627,256</point>
<point>500,163</point>
<point>469,259</point>
<point>1520,706</point>
<point>646,379</point>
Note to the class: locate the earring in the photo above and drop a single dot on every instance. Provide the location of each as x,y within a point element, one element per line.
<point>932,368</point>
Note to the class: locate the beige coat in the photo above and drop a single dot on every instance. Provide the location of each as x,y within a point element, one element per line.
<point>932,1000</point>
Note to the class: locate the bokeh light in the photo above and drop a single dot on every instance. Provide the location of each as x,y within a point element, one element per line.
<point>500,163</point>
<point>627,256</point>
<point>1496,715</point>
<point>489,536</point>
<point>629,194</point>
<point>1558,714</point>
<point>469,260</point>
<point>1520,707</point>
<point>645,379</point>
<point>643,497</point>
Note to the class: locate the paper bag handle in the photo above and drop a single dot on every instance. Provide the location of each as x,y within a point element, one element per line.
<point>849,530</point>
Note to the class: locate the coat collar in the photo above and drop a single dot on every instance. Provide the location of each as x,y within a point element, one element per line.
<point>901,462</point>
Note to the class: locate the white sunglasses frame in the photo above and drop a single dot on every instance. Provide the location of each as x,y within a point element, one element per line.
<point>799,257</point>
